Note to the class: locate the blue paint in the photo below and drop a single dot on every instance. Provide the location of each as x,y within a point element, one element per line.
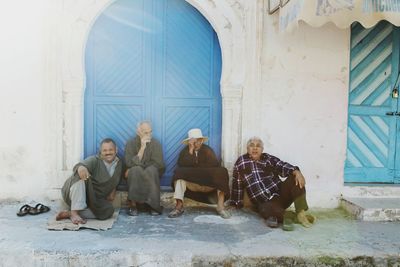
<point>157,60</point>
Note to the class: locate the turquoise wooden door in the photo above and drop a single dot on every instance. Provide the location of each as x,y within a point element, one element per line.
<point>156,60</point>
<point>373,143</point>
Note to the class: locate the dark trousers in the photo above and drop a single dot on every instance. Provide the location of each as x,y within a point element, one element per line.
<point>289,192</point>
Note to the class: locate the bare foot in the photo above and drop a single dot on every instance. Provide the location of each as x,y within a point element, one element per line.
<point>65,214</point>
<point>179,204</point>
<point>75,218</point>
<point>224,213</point>
<point>302,218</point>
<point>72,215</point>
<point>311,218</point>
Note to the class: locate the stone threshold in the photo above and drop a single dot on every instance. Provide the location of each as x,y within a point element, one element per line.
<point>373,209</point>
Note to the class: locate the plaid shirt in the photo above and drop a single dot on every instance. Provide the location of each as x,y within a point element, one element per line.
<point>260,178</point>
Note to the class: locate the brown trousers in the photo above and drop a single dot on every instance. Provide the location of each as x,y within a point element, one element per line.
<point>289,193</point>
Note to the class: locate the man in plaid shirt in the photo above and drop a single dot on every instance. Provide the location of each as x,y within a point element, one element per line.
<point>271,184</point>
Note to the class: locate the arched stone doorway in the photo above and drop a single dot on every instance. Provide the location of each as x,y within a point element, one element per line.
<point>157,60</point>
<point>78,18</point>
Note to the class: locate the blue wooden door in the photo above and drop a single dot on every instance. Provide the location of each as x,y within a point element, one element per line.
<point>156,60</point>
<point>373,144</point>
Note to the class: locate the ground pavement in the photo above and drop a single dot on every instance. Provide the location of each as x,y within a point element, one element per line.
<point>198,238</point>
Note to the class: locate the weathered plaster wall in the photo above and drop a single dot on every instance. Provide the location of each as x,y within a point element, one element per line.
<point>22,122</point>
<point>274,86</point>
<point>303,104</point>
<point>47,135</point>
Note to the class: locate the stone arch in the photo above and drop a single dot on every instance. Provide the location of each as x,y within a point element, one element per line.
<point>78,20</point>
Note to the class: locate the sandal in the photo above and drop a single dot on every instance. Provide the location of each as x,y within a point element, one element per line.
<point>176,213</point>
<point>132,211</point>
<point>287,224</point>
<point>24,210</point>
<point>38,209</point>
<point>272,222</point>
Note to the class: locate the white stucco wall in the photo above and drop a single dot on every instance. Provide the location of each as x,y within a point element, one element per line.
<point>21,91</point>
<point>303,104</point>
<point>289,89</point>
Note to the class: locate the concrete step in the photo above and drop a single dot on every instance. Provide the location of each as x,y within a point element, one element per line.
<point>373,209</point>
<point>371,190</point>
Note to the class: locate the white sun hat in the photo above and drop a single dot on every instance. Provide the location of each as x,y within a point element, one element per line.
<point>194,134</point>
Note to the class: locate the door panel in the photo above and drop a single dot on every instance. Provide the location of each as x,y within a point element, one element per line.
<point>178,120</point>
<point>109,116</point>
<point>156,60</point>
<point>372,134</point>
<point>182,65</point>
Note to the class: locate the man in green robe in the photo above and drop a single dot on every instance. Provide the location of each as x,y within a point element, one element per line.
<point>89,192</point>
<point>145,163</point>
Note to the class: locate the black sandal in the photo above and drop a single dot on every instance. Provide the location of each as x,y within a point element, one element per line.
<point>24,210</point>
<point>176,213</point>
<point>38,209</point>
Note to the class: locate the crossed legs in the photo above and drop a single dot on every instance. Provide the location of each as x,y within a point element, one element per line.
<point>79,211</point>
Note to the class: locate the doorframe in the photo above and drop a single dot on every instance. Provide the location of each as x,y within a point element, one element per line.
<point>239,30</point>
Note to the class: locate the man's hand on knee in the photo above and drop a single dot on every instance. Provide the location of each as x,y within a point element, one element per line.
<point>299,178</point>
<point>83,173</point>
<point>111,196</point>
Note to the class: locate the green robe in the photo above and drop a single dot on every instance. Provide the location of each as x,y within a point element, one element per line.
<point>98,186</point>
<point>144,175</point>
<point>152,155</point>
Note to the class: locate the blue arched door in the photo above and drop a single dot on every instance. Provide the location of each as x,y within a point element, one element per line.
<point>156,60</point>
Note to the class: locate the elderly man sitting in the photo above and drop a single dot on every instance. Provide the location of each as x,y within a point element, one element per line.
<point>259,174</point>
<point>145,163</point>
<point>90,190</point>
<point>199,175</point>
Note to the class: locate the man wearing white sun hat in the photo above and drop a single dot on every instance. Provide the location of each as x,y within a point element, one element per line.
<point>199,175</point>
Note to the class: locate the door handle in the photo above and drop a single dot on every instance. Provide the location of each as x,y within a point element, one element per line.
<point>397,114</point>
<point>391,113</point>
<point>395,93</point>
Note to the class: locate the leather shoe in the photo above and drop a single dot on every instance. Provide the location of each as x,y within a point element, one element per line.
<point>272,222</point>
